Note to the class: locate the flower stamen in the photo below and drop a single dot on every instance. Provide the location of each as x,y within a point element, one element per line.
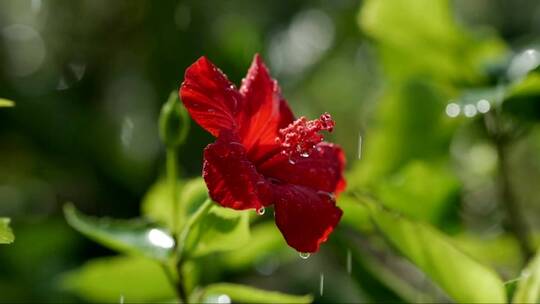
<point>300,137</point>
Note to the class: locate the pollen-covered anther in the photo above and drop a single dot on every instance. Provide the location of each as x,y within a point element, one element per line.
<point>300,137</point>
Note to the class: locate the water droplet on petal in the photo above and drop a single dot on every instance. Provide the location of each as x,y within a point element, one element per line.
<point>304,154</point>
<point>304,255</point>
<point>291,161</point>
<point>328,195</point>
<point>261,211</point>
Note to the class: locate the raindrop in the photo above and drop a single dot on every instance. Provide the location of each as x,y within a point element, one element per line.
<point>360,146</point>
<point>35,6</point>
<point>452,109</point>
<point>349,261</point>
<point>160,239</point>
<point>321,284</point>
<point>224,299</point>
<point>304,255</point>
<point>126,131</point>
<point>73,72</point>
<point>469,110</point>
<point>308,37</point>
<point>267,266</point>
<point>78,70</point>
<point>182,17</point>
<point>483,106</point>
<point>291,161</point>
<point>121,299</point>
<point>25,50</point>
<point>524,62</point>
<point>261,211</point>
<point>304,154</point>
<point>329,195</point>
<point>62,84</point>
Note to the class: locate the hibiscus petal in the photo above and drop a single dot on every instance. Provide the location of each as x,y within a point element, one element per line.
<point>232,179</point>
<point>304,216</point>
<point>211,99</point>
<point>264,111</point>
<point>322,169</point>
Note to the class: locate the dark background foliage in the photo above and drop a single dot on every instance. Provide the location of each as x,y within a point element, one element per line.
<point>89,78</point>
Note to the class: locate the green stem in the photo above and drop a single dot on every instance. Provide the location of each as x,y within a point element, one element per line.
<point>176,283</point>
<point>517,223</point>
<point>502,139</point>
<point>196,217</point>
<point>177,218</point>
<point>180,247</point>
<point>172,176</point>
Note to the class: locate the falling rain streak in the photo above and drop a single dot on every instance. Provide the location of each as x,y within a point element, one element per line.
<point>321,284</point>
<point>359,146</point>
<point>349,261</point>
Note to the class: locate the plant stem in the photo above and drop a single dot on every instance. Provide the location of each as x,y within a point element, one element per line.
<point>518,226</point>
<point>176,283</point>
<point>172,176</point>
<point>180,247</point>
<point>177,218</point>
<point>203,209</point>
<point>516,219</point>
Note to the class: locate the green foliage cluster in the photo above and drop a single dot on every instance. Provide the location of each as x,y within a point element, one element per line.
<point>440,201</point>
<point>432,65</point>
<point>170,259</point>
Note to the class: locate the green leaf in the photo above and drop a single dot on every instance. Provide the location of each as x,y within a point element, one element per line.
<point>193,194</point>
<point>246,294</point>
<point>462,278</point>
<point>501,252</point>
<point>6,103</point>
<point>408,109</point>
<point>157,202</point>
<point>422,37</point>
<point>528,288</point>
<point>6,235</point>
<point>129,236</point>
<point>523,98</point>
<point>107,280</point>
<point>421,190</point>
<point>265,241</point>
<point>354,214</point>
<point>383,267</point>
<point>221,229</point>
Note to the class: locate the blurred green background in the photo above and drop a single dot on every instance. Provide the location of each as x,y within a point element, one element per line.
<point>89,78</point>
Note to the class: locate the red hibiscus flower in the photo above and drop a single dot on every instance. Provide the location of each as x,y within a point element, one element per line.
<point>262,155</point>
